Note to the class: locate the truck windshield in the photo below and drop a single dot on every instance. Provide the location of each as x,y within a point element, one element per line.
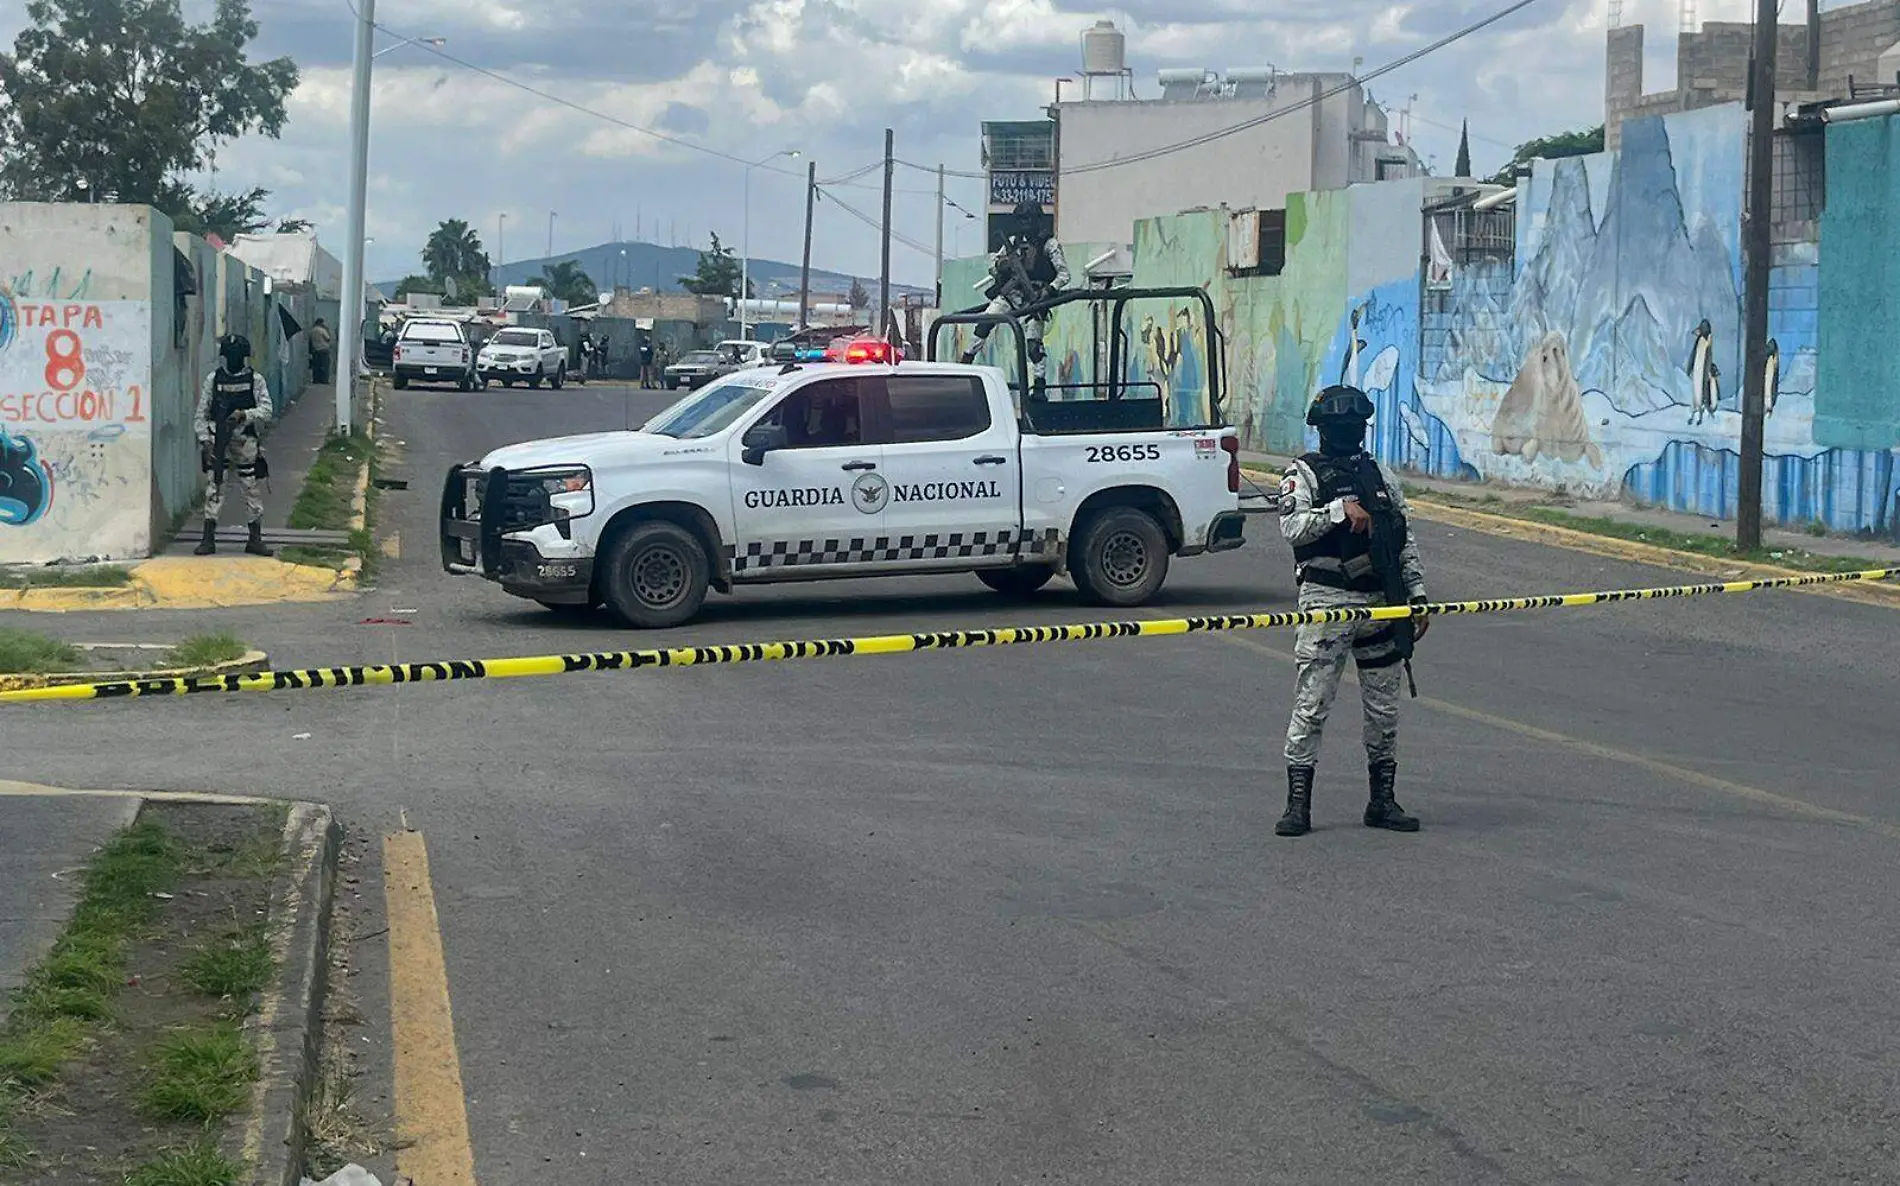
<point>516,337</point>
<point>713,409</point>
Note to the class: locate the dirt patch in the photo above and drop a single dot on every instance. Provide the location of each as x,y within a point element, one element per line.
<point>107,1112</point>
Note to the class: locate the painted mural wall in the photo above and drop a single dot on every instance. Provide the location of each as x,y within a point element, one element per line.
<point>1610,363</point>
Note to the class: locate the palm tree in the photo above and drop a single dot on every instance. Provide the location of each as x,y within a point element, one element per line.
<point>454,251</point>
<point>566,281</point>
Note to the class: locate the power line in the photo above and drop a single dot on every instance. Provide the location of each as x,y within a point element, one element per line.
<point>1304,104</point>
<point>580,107</point>
<point>932,169</point>
<point>1474,135</point>
<point>873,223</point>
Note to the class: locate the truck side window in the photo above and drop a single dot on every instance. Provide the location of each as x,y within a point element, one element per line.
<point>936,407</point>
<point>822,415</point>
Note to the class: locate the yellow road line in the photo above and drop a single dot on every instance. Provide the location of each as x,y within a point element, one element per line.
<point>431,1111</point>
<point>1608,753</point>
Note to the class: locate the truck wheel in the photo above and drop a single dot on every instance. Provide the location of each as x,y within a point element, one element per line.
<point>1020,581</point>
<point>1120,557</point>
<point>464,384</point>
<point>560,378</point>
<point>656,575</point>
<point>402,383</point>
<point>534,380</point>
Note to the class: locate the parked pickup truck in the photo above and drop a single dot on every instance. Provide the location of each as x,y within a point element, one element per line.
<point>846,470</point>
<point>434,352</point>
<point>520,354</point>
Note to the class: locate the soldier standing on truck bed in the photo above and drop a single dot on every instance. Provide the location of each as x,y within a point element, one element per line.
<point>1352,546</point>
<point>1029,267</point>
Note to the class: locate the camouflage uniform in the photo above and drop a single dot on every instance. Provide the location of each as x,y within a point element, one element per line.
<point>1321,650</point>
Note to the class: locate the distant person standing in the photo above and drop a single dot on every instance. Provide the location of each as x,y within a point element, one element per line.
<point>232,402</point>
<point>646,362</point>
<point>600,355</point>
<point>321,343</point>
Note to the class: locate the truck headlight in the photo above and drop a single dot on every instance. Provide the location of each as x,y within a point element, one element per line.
<point>576,481</point>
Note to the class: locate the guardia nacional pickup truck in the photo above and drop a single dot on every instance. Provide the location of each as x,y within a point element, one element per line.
<point>867,468</point>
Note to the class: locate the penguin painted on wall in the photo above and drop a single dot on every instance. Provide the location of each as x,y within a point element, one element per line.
<point>1704,376</point>
<point>1772,379</point>
<point>1349,369</point>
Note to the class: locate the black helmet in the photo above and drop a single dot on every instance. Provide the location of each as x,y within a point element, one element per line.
<point>1339,403</point>
<point>1028,215</point>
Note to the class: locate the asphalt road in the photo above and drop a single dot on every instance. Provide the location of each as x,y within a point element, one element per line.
<point>1018,915</point>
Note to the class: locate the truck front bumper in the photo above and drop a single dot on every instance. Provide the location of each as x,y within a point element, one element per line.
<point>487,524</point>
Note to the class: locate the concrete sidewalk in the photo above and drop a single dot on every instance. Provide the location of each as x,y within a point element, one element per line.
<point>1516,498</point>
<point>292,444</point>
<point>44,840</point>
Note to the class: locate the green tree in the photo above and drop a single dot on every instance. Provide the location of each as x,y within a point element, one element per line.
<point>126,97</point>
<point>1463,168</point>
<point>409,284</point>
<point>207,212</point>
<point>292,226</point>
<point>718,273</point>
<point>1579,143</point>
<point>860,297</point>
<point>456,262</point>
<point>566,281</point>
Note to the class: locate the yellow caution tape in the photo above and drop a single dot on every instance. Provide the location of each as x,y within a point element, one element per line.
<point>883,644</point>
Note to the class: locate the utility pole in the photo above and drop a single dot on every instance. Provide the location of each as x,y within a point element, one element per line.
<point>350,332</point>
<point>804,267</point>
<point>1756,247</point>
<point>940,235</point>
<point>884,267</point>
<point>550,233</point>
<point>501,247</point>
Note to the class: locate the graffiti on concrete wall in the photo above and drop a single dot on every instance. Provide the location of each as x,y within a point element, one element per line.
<point>75,428</point>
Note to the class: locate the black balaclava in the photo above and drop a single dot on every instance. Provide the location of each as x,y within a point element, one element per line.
<point>1342,438</point>
<point>234,352</point>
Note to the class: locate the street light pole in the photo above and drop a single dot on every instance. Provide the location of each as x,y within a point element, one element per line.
<point>501,246</point>
<point>350,332</point>
<point>550,234</point>
<point>745,235</point>
<point>940,236</point>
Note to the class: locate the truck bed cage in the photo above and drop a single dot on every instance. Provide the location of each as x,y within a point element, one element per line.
<point>1117,300</point>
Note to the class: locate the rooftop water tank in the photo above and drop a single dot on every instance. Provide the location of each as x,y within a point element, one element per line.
<point>1104,49</point>
<point>1183,82</point>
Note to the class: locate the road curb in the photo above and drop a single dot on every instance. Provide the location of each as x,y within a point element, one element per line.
<point>288,1026</point>
<point>249,661</point>
<point>1610,547</point>
<point>350,575</point>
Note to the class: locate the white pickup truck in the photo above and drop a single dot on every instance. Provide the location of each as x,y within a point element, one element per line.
<point>813,472</point>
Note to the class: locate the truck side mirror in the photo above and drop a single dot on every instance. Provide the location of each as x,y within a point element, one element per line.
<point>759,440</point>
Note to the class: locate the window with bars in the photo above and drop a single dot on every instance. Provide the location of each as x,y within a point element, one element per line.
<point>1800,185</point>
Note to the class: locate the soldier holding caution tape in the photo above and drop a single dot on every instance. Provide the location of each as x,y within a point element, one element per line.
<point>1346,519</point>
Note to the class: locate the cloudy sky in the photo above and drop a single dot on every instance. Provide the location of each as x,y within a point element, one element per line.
<point>750,78</point>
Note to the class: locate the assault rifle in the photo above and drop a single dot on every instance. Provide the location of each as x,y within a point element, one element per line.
<point>1012,281</point>
<point>1388,558</point>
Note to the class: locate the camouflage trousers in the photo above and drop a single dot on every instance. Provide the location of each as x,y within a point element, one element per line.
<point>240,461</point>
<point>1321,653</point>
<point>1032,339</point>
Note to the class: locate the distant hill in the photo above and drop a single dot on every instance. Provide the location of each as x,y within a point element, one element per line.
<point>649,265</point>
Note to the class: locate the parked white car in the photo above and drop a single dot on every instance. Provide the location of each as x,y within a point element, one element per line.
<point>434,352</point>
<point>744,352</point>
<point>521,355</point>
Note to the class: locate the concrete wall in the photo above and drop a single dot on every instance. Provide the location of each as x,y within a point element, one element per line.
<point>77,337</point>
<point>1858,402</point>
<point>1712,63</point>
<point>1258,167</point>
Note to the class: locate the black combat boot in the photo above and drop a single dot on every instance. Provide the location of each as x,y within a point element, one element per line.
<point>209,543</point>
<point>1298,820</point>
<point>1382,810</point>
<point>255,545</point>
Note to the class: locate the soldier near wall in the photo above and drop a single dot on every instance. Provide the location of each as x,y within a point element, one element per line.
<point>232,402</point>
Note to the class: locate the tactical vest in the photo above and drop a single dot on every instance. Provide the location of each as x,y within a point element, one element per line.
<point>1342,558</point>
<point>1041,269</point>
<point>230,392</point>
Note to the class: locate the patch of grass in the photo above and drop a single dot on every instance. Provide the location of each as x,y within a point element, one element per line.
<point>60,576</point>
<point>23,652</point>
<point>200,1074</point>
<point>1715,546</point>
<point>324,501</point>
<point>197,1164</point>
<point>31,1054</point>
<point>236,965</point>
<point>207,650</point>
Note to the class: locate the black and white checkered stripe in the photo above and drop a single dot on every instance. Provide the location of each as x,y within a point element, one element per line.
<point>954,545</point>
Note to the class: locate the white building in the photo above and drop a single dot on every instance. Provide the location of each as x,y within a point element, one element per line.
<point>1245,139</point>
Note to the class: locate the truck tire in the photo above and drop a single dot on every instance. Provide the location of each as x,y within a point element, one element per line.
<point>534,380</point>
<point>402,382</point>
<point>1019,581</point>
<point>1120,557</point>
<point>560,378</point>
<point>656,575</point>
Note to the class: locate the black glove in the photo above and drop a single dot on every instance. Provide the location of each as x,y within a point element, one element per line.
<point>1420,624</point>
